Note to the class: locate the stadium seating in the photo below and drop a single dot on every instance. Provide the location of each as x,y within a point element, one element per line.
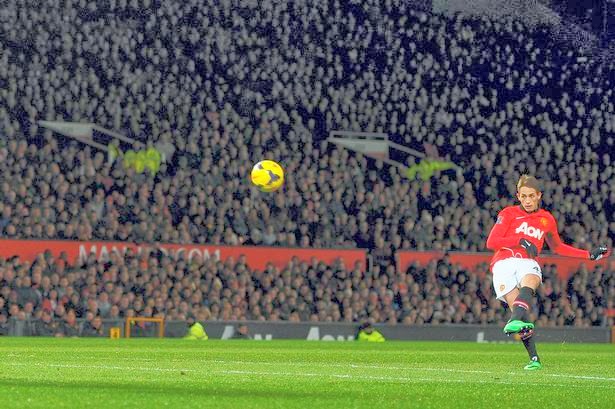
<point>523,105</point>
<point>221,87</point>
<point>34,294</point>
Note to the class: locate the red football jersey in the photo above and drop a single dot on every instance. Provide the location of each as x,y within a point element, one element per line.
<point>514,223</point>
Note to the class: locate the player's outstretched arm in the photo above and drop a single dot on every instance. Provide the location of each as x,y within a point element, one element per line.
<point>559,247</point>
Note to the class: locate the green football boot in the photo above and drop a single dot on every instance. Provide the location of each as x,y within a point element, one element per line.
<point>516,326</point>
<point>533,366</point>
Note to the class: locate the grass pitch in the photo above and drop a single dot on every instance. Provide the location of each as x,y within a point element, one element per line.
<point>147,373</point>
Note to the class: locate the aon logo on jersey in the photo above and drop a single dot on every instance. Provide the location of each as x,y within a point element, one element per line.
<point>530,231</point>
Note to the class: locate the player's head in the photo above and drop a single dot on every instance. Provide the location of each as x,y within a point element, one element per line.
<point>529,193</point>
<point>366,327</point>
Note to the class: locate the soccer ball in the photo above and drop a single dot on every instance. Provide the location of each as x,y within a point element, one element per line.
<point>267,175</point>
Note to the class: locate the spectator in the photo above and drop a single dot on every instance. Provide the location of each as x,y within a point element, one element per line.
<point>196,331</point>
<point>241,332</point>
<point>45,326</point>
<point>93,328</point>
<point>70,327</point>
<point>368,333</point>
<point>4,324</point>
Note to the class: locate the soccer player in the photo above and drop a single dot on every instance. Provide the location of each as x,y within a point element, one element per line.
<point>517,238</point>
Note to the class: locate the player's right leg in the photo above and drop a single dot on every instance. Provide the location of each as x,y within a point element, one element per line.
<point>528,276</point>
<point>516,324</point>
<point>514,281</point>
<point>506,286</point>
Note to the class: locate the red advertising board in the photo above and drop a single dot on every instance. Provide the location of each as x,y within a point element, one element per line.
<point>256,257</point>
<point>259,257</point>
<point>565,265</point>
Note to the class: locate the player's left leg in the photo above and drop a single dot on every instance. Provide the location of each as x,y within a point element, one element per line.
<point>527,337</point>
<point>526,333</point>
<point>532,282</point>
<point>520,312</point>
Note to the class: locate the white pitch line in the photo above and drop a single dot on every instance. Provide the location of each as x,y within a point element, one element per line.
<point>398,378</point>
<point>368,366</point>
<point>592,378</point>
<point>344,376</point>
<point>412,368</point>
<point>304,374</point>
<point>115,367</point>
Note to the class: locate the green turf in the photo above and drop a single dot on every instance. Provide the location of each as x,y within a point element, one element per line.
<point>71,373</point>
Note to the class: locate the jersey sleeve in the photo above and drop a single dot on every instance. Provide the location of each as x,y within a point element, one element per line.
<point>559,247</point>
<point>497,237</point>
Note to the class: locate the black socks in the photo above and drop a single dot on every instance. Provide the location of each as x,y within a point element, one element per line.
<point>522,303</point>
<point>530,346</point>
<point>520,311</point>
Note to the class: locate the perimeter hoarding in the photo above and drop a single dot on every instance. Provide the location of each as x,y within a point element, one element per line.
<point>256,257</point>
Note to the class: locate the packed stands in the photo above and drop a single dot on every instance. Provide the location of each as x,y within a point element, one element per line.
<point>216,88</point>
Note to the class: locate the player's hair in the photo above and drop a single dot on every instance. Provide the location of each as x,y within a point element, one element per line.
<point>529,181</point>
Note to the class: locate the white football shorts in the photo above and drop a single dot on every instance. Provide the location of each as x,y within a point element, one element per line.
<point>507,274</point>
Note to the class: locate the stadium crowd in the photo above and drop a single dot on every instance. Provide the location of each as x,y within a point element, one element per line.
<point>219,87</point>
<point>60,299</point>
<point>497,98</point>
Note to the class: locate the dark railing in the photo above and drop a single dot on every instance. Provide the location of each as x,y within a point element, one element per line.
<point>319,331</point>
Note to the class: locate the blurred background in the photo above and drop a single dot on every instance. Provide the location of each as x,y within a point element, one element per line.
<point>156,111</point>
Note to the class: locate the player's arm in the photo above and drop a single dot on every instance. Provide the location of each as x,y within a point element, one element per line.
<point>559,247</point>
<point>497,237</point>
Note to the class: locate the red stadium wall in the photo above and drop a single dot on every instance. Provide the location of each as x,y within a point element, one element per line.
<point>256,257</point>
<point>565,265</point>
<point>259,257</point>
